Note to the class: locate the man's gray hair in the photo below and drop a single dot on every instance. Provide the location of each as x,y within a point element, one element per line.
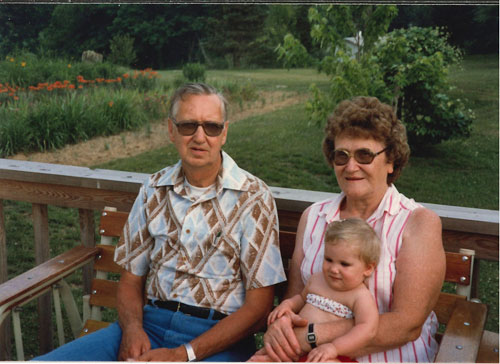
<point>196,89</point>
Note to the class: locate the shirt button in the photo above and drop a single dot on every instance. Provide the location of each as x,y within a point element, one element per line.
<point>188,231</point>
<point>175,295</point>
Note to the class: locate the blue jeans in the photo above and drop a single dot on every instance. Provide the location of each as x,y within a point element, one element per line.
<point>165,329</point>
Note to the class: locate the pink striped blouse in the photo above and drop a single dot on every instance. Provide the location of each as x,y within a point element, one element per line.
<point>388,221</point>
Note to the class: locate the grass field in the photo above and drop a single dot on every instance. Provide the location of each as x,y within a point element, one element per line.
<point>284,150</point>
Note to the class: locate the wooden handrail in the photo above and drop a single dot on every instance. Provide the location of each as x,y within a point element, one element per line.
<point>127,184</point>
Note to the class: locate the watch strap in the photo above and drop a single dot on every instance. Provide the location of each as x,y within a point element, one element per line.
<point>311,336</point>
<point>190,352</point>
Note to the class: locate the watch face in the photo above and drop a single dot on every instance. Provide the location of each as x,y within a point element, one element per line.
<point>311,337</point>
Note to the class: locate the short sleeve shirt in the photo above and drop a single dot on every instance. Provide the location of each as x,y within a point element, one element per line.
<point>207,250</point>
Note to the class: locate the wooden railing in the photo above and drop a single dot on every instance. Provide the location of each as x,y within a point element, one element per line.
<point>85,189</point>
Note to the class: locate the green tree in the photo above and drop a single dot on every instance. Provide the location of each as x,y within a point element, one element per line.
<point>415,64</point>
<point>231,31</point>
<point>165,35</point>
<point>472,28</point>
<point>74,28</point>
<point>122,50</point>
<point>349,74</point>
<point>21,24</point>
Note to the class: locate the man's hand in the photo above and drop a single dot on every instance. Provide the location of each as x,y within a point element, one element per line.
<point>280,341</point>
<point>164,354</point>
<point>134,344</point>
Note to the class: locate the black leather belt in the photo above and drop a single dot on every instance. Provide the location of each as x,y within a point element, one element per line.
<point>200,312</point>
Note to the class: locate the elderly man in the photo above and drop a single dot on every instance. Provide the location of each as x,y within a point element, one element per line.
<point>202,240</point>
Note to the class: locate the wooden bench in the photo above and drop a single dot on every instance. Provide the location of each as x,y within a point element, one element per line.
<point>462,340</point>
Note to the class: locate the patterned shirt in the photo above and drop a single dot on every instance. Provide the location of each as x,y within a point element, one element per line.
<point>389,221</point>
<point>204,251</point>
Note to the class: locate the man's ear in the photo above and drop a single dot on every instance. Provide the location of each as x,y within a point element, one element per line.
<point>224,132</point>
<point>170,129</point>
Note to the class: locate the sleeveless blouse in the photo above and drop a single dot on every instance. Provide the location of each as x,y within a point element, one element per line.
<point>388,221</point>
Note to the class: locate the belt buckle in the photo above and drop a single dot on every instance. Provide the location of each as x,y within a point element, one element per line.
<point>178,307</point>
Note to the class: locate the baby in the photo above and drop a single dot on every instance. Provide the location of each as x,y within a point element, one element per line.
<point>352,251</point>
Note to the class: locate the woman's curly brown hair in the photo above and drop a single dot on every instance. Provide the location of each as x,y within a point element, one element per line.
<point>367,117</point>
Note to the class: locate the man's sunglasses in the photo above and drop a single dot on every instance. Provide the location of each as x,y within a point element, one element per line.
<point>362,156</point>
<point>189,127</point>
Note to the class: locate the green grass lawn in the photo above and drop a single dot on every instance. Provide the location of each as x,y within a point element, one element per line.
<point>284,150</point>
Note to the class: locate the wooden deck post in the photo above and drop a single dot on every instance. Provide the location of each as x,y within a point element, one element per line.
<point>87,229</point>
<point>5,328</point>
<point>42,254</point>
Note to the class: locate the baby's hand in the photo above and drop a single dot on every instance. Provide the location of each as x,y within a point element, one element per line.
<point>278,312</point>
<point>324,352</point>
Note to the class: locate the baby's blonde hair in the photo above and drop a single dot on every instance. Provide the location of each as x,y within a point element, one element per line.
<point>357,233</point>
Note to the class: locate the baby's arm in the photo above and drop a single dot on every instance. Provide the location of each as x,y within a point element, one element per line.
<point>365,328</point>
<point>292,304</point>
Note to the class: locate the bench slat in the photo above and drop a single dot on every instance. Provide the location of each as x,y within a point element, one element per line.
<point>112,223</point>
<point>462,336</point>
<point>488,350</point>
<point>458,268</point>
<point>445,306</point>
<point>105,293</point>
<point>104,261</point>
<point>93,325</point>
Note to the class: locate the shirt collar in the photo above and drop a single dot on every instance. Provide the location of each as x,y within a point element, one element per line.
<point>230,176</point>
<point>390,203</point>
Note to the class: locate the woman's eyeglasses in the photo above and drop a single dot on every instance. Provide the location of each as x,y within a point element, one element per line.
<point>362,156</point>
<point>189,127</point>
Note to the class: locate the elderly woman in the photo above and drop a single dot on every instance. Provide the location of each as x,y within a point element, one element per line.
<point>366,145</point>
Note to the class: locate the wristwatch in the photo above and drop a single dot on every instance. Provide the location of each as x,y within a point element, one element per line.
<point>311,336</point>
<point>190,352</point>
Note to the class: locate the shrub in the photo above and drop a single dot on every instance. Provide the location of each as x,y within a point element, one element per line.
<point>415,63</point>
<point>122,50</point>
<point>292,53</point>
<point>194,72</point>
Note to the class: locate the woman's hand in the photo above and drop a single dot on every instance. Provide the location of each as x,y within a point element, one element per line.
<point>280,341</point>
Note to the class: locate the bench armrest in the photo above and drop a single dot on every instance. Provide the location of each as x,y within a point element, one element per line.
<point>463,333</point>
<point>32,283</point>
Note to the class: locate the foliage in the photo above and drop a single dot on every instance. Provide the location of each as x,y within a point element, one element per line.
<point>141,81</point>
<point>194,72</point>
<point>230,31</point>
<point>49,115</point>
<point>75,28</point>
<point>347,78</point>
<point>122,50</point>
<point>331,24</point>
<point>21,25</point>
<point>349,75</point>
<point>472,28</point>
<point>24,69</point>
<point>209,32</point>
<point>408,68</point>
<point>53,122</point>
<point>292,53</point>
<point>415,63</point>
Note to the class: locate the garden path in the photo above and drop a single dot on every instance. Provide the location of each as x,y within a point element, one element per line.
<point>127,144</point>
